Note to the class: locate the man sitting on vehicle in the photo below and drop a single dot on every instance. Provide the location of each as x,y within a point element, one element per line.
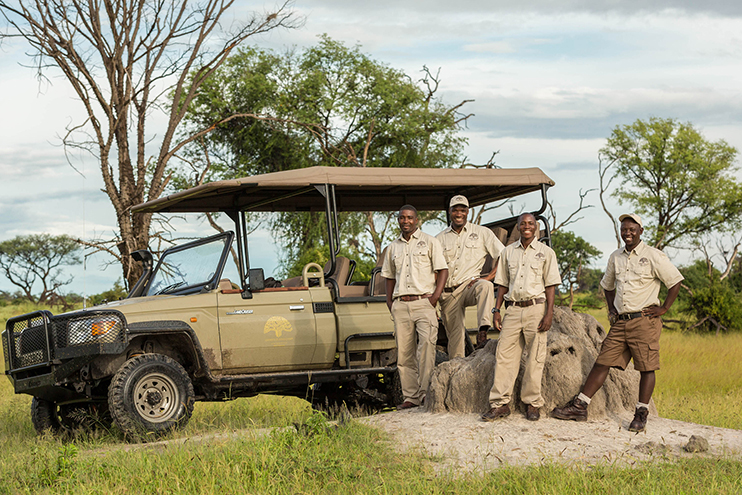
<point>465,247</point>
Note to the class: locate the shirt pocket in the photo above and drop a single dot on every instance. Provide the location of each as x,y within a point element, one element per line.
<point>421,260</point>
<point>398,261</point>
<point>449,254</point>
<point>537,267</point>
<point>642,271</point>
<point>512,269</point>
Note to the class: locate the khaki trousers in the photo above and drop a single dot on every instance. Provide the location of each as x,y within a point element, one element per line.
<point>415,330</point>
<point>519,333</point>
<point>453,312</point>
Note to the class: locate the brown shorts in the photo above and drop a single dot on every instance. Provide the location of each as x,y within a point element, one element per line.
<point>638,338</point>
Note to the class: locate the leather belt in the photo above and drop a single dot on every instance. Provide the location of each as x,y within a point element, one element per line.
<point>413,298</point>
<point>452,289</point>
<point>630,316</point>
<point>524,304</point>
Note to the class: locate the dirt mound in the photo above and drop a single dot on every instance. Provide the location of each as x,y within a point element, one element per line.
<point>462,385</point>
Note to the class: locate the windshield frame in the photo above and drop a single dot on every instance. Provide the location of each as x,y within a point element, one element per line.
<point>201,286</point>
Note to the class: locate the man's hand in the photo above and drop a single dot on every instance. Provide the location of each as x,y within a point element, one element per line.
<point>433,300</point>
<point>654,311</point>
<point>497,321</point>
<point>481,338</point>
<point>545,323</point>
<point>612,317</point>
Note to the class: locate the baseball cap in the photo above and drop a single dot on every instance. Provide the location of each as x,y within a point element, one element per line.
<point>632,216</point>
<point>459,200</point>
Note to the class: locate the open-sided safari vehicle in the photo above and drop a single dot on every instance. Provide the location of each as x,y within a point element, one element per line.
<point>186,333</point>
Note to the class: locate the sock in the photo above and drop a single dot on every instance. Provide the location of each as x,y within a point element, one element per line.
<point>639,405</point>
<point>584,398</point>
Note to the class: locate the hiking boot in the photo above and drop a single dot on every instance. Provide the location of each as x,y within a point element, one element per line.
<point>640,420</point>
<point>532,413</point>
<point>406,405</point>
<point>575,410</point>
<point>496,413</point>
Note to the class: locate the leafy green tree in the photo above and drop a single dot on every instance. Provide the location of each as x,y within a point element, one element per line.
<point>573,255</point>
<point>33,263</point>
<point>683,184</point>
<point>329,105</point>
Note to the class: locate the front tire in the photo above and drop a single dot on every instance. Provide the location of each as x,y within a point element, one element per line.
<point>150,395</point>
<point>44,417</point>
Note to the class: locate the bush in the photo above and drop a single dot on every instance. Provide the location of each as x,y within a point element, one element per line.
<point>114,294</point>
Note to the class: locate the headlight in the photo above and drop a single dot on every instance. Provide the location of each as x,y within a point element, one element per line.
<point>94,329</point>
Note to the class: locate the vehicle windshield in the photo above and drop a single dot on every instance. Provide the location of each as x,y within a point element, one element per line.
<point>188,267</point>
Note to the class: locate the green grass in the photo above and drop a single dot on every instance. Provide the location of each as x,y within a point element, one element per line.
<point>700,381</point>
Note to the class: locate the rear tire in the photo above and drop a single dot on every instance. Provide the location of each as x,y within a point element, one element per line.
<point>150,395</point>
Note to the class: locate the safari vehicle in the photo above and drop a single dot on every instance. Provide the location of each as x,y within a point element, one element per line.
<point>187,333</point>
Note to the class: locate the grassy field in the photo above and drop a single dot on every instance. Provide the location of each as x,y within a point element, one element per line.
<point>700,381</point>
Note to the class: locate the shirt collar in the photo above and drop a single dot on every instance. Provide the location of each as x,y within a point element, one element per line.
<point>415,235</point>
<point>531,245</point>
<point>638,249</point>
<point>465,228</point>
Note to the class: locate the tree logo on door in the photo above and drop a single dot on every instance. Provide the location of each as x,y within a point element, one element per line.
<point>277,324</point>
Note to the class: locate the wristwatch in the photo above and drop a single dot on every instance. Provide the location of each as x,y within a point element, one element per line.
<point>495,310</point>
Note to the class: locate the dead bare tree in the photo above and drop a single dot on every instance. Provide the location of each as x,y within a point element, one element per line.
<point>605,183</point>
<point>572,217</point>
<point>122,59</point>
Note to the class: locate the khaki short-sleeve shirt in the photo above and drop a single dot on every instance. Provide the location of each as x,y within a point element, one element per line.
<point>466,251</point>
<point>526,272</point>
<point>636,277</point>
<point>413,264</point>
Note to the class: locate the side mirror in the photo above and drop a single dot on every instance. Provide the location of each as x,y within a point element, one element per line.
<point>257,279</point>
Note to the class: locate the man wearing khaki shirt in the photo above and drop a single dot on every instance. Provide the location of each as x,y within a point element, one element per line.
<point>465,247</point>
<point>631,284</point>
<point>527,276</point>
<point>415,273</point>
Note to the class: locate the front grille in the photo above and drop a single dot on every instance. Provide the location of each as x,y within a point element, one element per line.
<point>26,342</point>
<point>38,338</point>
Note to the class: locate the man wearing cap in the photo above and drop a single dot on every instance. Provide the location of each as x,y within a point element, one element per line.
<point>465,247</point>
<point>527,276</point>
<point>415,272</point>
<point>631,284</point>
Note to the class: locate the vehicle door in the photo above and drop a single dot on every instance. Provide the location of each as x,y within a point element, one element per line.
<point>275,330</point>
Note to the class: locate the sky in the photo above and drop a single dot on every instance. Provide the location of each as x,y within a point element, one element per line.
<point>549,81</point>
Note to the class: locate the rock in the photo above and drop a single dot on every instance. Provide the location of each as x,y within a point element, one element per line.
<point>697,444</point>
<point>463,384</point>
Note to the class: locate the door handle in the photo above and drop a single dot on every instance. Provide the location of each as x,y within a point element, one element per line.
<point>297,307</point>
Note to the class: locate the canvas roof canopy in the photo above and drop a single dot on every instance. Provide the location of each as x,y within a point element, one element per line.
<point>356,189</point>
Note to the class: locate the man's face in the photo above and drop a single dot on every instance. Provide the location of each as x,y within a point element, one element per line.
<point>459,214</point>
<point>527,227</point>
<point>407,221</point>
<point>631,232</point>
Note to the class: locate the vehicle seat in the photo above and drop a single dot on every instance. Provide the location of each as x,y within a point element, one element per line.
<point>501,234</point>
<point>342,270</point>
<point>377,281</point>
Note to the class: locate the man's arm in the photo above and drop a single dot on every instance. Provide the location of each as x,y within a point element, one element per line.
<point>440,281</point>
<point>610,298</point>
<point>545,323</point>
<point>655,311</point>
<point>497,320</point>
<point>390,284</point>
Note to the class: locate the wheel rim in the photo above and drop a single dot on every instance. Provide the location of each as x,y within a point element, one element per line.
<point>156,398</point>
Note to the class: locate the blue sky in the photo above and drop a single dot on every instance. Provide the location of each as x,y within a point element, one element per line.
<point>549,82</point>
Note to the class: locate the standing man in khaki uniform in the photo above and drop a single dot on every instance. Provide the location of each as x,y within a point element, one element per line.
<point>631,284</point>
<point>527,276</point>
<point>465,247</point>
<point>415,273</point>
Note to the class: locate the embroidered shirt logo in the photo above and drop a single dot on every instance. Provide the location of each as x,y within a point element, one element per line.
<point>643,261</point>
<point>421,244</point>
<point>474,236</point>
<point>540,255</point>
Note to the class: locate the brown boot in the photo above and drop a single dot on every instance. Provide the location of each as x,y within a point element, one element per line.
<point>496,413</point>
<point>640,420</point>
<point>575,409</point>
<point>532,413</point>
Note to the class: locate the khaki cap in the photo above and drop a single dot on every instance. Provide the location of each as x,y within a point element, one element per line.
<point>458,200</point>
<point>632,216</point>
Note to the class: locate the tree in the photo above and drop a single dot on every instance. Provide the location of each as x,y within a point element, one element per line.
<point>573,254</point>
<point>327,105</point>
<point>683,184</point>
<point>121,58</point>
<point>28,261</point>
